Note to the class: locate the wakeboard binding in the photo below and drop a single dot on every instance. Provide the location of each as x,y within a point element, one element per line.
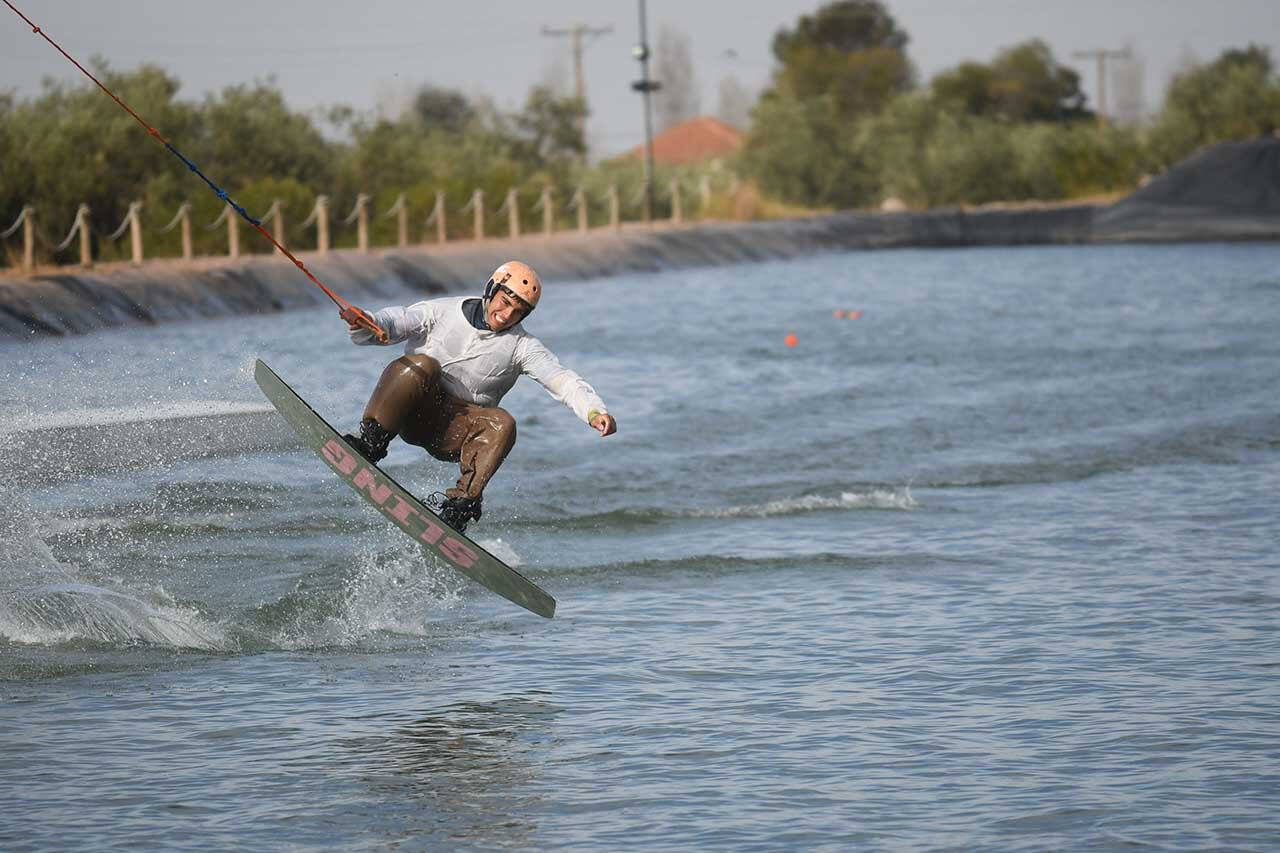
<point>372,441</point>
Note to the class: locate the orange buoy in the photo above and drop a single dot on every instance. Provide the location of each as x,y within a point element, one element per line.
<point>791,340</point>
<point>853,315</point>
<point>838,314</point>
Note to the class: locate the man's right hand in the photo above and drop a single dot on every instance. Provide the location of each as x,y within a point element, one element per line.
<point>356,318</point>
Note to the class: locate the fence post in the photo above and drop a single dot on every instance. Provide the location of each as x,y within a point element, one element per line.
<point>676,213</point>
<point>362,222</point>
<point>135,230</point>
<point>402,221</point>
<point>439,215</point>
<point>513,211</point>
<point>233,233</point>
<point>322,224</point>
<point>615,221</point>
<point>580,202</point>
<point>477,199</point>
<point>277,224</point>
<point>704,202</point>
<point>184,223</point>
<point>86,251</point>
<point>548,212</point>
<point>28,239</point>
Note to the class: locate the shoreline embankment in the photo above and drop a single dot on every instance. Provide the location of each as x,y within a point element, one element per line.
<point>75,300</point>
<point>1227,192</point>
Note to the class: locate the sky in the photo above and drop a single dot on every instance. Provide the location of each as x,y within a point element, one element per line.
<point>373,54</point>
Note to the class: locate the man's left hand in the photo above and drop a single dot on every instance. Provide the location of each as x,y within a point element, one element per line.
<point>604,424</point>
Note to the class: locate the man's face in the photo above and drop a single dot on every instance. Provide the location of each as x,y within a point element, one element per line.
<point>504,310</point>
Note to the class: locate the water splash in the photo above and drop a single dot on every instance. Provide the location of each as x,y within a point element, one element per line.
<point>502,550</point>
<point>71,612</point>
<point>892,499</point>
<point>84,442</point>
<point>44,602</point>
<point>390,589</point>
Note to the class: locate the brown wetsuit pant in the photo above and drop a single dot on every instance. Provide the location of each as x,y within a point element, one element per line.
<point>410,402</point>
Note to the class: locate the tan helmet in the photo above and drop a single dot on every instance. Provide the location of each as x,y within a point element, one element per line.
<point>519,278</point>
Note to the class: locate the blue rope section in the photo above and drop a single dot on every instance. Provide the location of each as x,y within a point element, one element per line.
<point>221,193</point>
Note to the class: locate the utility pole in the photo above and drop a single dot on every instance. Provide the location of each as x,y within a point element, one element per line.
<point>1102,56</point>
<point>646,87</point>
<point>576,34</point>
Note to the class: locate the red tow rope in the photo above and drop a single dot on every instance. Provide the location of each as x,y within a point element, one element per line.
<point>347,311</point>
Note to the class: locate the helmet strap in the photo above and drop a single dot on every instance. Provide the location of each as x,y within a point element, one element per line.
<point>491,290</point>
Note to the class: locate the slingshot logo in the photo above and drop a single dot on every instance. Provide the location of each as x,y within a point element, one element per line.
<point>382,494</point>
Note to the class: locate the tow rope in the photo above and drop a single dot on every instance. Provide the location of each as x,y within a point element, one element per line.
<point>347,311</point>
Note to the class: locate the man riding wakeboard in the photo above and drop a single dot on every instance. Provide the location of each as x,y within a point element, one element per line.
<point>462,354</point>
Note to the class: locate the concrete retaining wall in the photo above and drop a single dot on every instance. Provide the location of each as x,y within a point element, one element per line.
<point>76,301</point>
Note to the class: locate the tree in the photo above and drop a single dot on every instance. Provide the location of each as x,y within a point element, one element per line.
<point>14,184</point>
<point>965,89</point>
<point>799,151</point>
<point>73,145</point>
<point>852,50</point>
<point>250,133</point>
<point>441,109</point>
<point>679,99</point>
<point>551,127</point>
<point>1235,97</point>
<point>1028,84</point>
<point>1023,83</point>
<point>844,27</point>
<point>837,67</point>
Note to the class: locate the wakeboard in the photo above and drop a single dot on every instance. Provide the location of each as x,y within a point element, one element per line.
<point>397,504</point>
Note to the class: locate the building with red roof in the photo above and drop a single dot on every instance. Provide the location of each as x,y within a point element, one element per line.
<point>694,141</point>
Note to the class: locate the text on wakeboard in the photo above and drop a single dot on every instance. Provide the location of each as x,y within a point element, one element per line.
<point>423,528</point>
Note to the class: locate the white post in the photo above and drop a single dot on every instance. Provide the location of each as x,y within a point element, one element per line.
<point>513,211</point>
<point>676,212</point>
<point>86,251</point>
<point>402,222</point>
<point>184,223</point>
<point>135,230</point>
<point>233,233</point>
<point>277,224</point>
<point>322,224</point>
<point>580,202</point>
<point>548,213</point>
<point>362,222</point>
<point>438,214</point>
<point>29,239</point>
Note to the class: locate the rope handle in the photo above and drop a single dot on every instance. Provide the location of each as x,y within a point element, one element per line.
<point>362,319</point>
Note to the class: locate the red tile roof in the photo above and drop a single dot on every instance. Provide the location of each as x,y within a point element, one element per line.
<point>692,141</point>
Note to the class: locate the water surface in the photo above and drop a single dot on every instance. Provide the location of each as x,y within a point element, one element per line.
<point>992,566</point>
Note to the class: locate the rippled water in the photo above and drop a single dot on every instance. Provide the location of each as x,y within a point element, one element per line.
<point>992,566</point>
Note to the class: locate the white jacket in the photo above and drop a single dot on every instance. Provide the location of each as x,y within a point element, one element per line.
<point>480,366</point>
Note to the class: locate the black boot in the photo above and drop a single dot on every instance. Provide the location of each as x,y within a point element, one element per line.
<point>457,512</point>
<point>372,441</point>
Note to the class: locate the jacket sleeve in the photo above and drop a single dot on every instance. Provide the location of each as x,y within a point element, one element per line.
<point>400,324</point>
<point>561,383</point>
